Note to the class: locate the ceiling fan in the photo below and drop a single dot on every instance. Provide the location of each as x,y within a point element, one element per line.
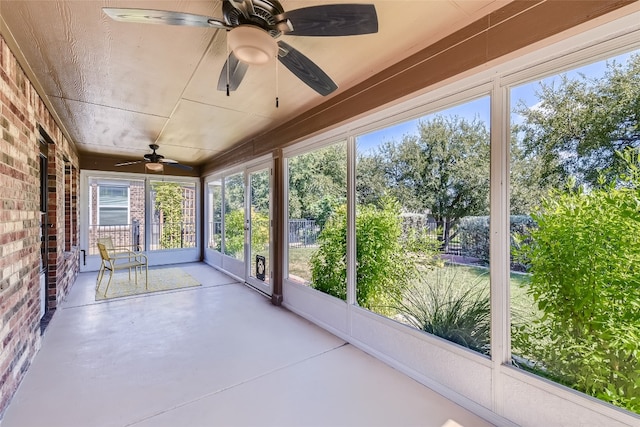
<point>155,162</point>
<point>253,27</point>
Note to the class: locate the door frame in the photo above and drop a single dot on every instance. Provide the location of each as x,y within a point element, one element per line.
<point>267,285</point>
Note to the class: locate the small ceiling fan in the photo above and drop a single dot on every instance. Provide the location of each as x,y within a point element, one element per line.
<point>155,162</point>
<point>253,27</point>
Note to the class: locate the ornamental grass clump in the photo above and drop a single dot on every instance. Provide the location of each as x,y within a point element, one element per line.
<point>443,305</point>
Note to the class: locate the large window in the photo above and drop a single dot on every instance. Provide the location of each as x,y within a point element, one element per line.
<point>575,229</point>
<point>422,223</point>
<point>318,219</point>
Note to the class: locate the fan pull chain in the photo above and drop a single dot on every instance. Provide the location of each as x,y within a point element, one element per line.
<point>277,100</point>
<point>228,63</point>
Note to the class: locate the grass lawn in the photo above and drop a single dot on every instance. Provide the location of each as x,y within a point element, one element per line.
<point>522,305</point>
<point>465,275</point>
<point>299,262</point>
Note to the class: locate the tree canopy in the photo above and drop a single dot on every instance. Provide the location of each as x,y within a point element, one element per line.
<point>580,123</point>
<point>318,183</point>
<point>443,171</point>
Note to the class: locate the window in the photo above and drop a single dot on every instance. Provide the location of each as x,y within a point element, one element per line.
<point>422,223</point>
<point>113,205</point>
<point>575,226</point>
<point>318,219</point>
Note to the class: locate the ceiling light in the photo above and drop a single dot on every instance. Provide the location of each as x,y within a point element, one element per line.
<point>252,45</point>
<point>155,167</point>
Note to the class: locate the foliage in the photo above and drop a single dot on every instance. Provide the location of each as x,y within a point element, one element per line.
<point>317,183</point>
<point>234,232</point>
<point>168,205</point>
<point>383,269</point>
<point>585,265</point>
<point>260,190</point>
<point>578,125</point>
<point>474,237</point>
<point>531,178</point>
<point>443,170</point>
<point>233,192</point>
<point>259,231</point>
<point>441,305</point>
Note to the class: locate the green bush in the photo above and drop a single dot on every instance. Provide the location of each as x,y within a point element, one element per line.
<point>383,268</point>
<point>474,237</point>
<point>234,233</point>
<point>585,265</point>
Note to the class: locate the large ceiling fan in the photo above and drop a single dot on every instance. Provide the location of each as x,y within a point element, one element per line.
<point>254,26</point>
<point>155,162</point>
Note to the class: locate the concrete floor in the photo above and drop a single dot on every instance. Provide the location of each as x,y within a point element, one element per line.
<point>216,355</point>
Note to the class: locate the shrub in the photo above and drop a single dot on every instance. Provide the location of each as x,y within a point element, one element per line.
<point>474,237</point>
<point>585,265</point>
<point>383,267</point>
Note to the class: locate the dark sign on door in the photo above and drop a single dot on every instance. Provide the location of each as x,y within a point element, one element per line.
<point>261,267</point>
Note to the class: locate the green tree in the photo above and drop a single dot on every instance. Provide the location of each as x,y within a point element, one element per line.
<point>580,123</point>
<point>584,258</point>
<point>318,183</point>
<point>531,179</point>
<point>168,205</point>
<point>443,171</point>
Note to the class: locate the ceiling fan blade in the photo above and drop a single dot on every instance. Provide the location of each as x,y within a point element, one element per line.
<point>133,162</point>
<point>174,163</point>
<point>180,166</point>
<point>305,69</point>
<point>333,20</point>
<point>151,16</point>
<point>237,70</point>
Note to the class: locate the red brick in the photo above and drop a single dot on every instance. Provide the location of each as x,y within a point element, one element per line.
<point>21,113</point>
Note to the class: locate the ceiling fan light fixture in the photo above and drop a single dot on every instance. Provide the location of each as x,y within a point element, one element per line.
<point>155,167</point>
<point>252,45</point>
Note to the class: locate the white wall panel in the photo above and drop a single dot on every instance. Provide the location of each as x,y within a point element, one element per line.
<point>324,310</point>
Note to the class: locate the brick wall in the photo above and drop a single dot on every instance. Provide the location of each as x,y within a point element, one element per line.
<point>22,113</point>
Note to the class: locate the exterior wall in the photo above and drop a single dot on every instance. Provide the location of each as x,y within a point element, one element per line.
<point>21,113</point>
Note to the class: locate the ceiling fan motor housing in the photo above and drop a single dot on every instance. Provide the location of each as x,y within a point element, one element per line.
<point>263,16</point>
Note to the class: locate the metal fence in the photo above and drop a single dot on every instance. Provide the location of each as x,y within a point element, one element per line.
<point>303,233</point>
<point>163,236</point>
<point>123,236</point>
<point>176,235</point>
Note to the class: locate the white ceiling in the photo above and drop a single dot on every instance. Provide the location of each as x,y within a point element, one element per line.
<point>118,87</point>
